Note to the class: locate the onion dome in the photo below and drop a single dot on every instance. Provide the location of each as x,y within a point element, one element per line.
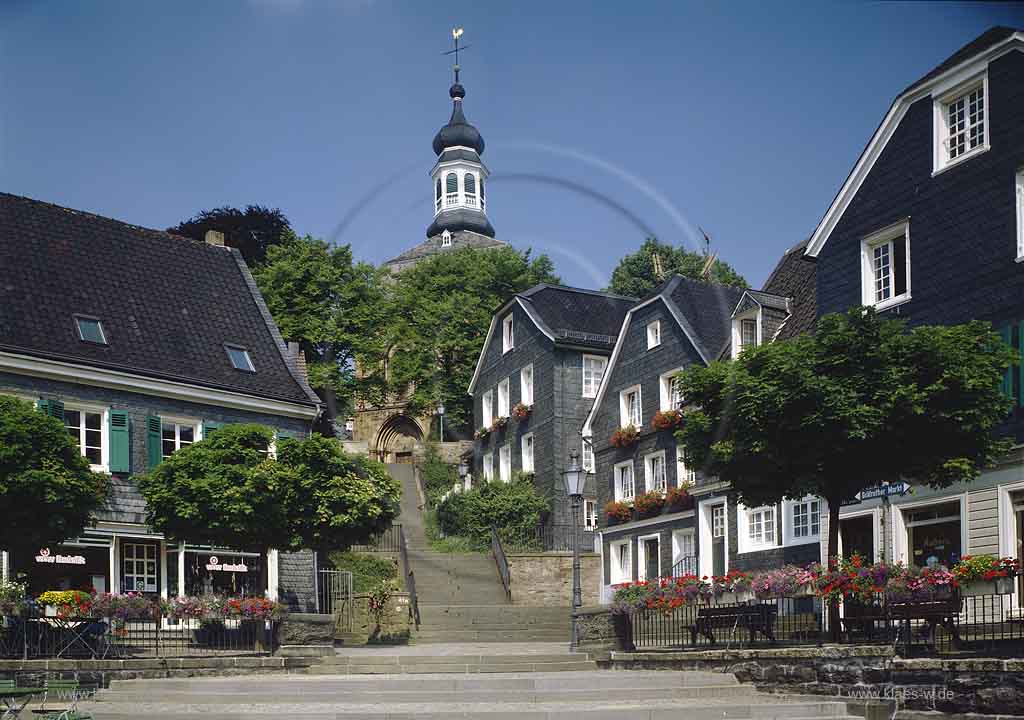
<point>458,131</point>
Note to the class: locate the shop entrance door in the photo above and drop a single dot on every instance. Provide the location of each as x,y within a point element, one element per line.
<point>857,535</point>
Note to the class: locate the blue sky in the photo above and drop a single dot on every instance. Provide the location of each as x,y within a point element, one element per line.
<point>741,118</point>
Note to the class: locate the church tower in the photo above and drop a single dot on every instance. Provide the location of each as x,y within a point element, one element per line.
<point>459,177</point>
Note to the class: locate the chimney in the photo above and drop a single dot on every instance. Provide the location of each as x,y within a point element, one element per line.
<point>215,238</point>
<point>299,358</point>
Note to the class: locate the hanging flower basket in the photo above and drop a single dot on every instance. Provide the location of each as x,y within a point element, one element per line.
<point>667,420</point>
<point>625,437</point>
<point>521,411</point>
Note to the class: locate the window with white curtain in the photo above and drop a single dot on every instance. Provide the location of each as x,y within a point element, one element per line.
<point>503,398</point>
<point>527,451</point>
<point>593,372</point>
<point>526,385</point>
<point>625,485</point>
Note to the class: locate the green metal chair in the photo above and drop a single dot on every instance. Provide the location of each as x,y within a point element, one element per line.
<point>67,691</point>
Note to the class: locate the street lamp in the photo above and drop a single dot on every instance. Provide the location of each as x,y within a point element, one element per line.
<point>575,477</point>
<point>440,417</point>
<point>463,472</point>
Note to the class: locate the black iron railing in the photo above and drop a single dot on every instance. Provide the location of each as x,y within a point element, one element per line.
<point>334,596</point>
<point>502,562</point>
<point>686,565</point>
<point>410,578</point>
<point>388,541</point>
<point>544,538</point>
<point>30,635</point>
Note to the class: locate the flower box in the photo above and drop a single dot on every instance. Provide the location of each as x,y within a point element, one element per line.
<point>499,424</point>
<point>482,434</point>
<point>618,512</point>
<point>649,504</point>
<point>625,437</point>
<point>998,586</point>
<point>50,611</point>
<point>735,598</point>
<point>667,420</point>
<point>805,590</point>
<point>521,411</point>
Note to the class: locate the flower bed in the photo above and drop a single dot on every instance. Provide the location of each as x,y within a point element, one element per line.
<point>625,437</point>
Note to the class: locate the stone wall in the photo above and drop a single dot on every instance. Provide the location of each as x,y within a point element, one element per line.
<point>394,629</point>
<point>296,574</point>
<point>545,579</point>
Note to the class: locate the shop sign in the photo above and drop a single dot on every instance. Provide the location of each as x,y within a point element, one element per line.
<point>44,556</point>
<point>215,565</point>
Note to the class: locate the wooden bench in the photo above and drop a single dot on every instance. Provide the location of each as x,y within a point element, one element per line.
<point>752,618</point>
<point>942,613</point>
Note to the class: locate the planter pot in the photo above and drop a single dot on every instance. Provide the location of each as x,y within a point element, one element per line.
<point>999,586</point>
<point>50,611</point>
<point>804,591</point>
<point>735,598</point>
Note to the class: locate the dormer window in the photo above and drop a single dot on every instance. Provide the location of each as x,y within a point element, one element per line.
<point>508,337</point>
<point>653,334</point>
<point>240,359</point>
<point>469,184</point>
<point>748,333</point>
<point>961,123</point>
<point>451,190</point>
<point>746,330</point>
<point>446,239</point>
<point>90,330</point>
<point>885,266</point>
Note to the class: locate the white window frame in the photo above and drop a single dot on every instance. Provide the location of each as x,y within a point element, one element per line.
<point>789,528</point>
<point>589,514</point>
<point>1020,214</point>
<point>527,449</point>
<point>653,334</point>
<point>753,314</point>
<point>104,413</point>
<point>641,556</point>
<point>508,333</point>
<point>196,425</point>
<point>683,540</point>
<point>745,517</point>
<point>684,473</point>
<point>526,385</point>
<point>627,418</point>
<point>666,385</point>
<point>590,388</point>
<point>488,467</point>
<point>622,554</point>
<point>900,543</point>
<point>446,238</point>
<point>487,409</point>
<point>885,236</point>
<point>147,550</point>
<point>942,99</point>
<point>705,520</point>
<point>620,490</point>
<point>651,481</point>
<point>588,455</point>
<point>505,463</point>
<point>504,397</point>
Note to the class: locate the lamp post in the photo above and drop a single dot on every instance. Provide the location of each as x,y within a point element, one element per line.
<point>440,418</point>
<point>463,472</point>
<point>575,477</point>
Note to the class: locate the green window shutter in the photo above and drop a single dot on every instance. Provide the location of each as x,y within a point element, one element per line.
<point>209,428</point>
<point>154,450</point>
<point>120,445</point>
<point>1006,333</point>
<point>53,408</point>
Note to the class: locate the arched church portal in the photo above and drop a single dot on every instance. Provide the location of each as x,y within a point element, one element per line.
<point>397,439</point>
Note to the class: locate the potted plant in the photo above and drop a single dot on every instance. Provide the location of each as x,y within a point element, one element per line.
<point>678,499</point>
<point>617,512</point>
<point>482,433</point>
<point>625,437</point>
<point>986,575</point>
<point>521,411</point>
<point>649,504</point>
<point>13,598</point>
<point>667,420</point>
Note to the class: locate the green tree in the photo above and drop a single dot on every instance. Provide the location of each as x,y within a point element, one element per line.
<point>859,403</point>
<point>335,308</point>
<point>638,274</point>
<point>253,230</point>
<point>47,491</point>
<point>227,491</point>
<point>439,314</point>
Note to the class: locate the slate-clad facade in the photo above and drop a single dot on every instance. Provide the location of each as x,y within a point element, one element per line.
<point>166,309</point>
<point>951,209</point>
<point>554,328</point>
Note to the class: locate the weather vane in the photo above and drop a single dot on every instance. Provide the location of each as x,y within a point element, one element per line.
<point>456,34</point>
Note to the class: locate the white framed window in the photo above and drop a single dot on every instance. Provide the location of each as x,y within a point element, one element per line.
<point>505,463</point>
<point>684,550</point>
<point>1020,215</point>
<point>451,189</point>
<point>589,514</point>
<point>671,394</point>
<point>503,397</point>
<point>90,330</point>
<point>630,410</point>
<point>487,408</point>
<point>746,331</point>
<point>757,527</point>
<point>648,556</point>
<point>806,516</point>
<point>526,385</point>
<point>446,238</point>
<point>593,372</point>
<point>139,563</point>
<point>469,186</point>
<point>508,333</point>
<point>625,484</point>
<point>588,455</point>
<point>87,426</point>
<point>685,475</point>
<point>240,358</point>
<point>654,472</point>
<point>653,334</point>
<point>621,565</point>
<point>176,434</point>
<point>718,521</point>
<point>488,467</point>
<point>527,451</point>
<point>961,123</point>
<point>885,261</point>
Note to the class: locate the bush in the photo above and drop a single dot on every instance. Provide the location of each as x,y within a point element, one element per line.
<point>438,476</point>
<point>513,507</point>
<point>368,570</point>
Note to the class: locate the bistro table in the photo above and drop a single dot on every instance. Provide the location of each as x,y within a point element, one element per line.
<point>15,699</point>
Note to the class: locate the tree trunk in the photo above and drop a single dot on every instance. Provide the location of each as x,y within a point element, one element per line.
<point>330,398</point>
<point>834,504</point>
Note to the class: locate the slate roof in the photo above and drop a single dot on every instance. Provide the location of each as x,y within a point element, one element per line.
<point>983,42</point>
<point>579,316</point>
<point>432,246</point>
<point>124,504</point>
<point>795,277</point>
<point>168,304</point>
<point>706,311</point>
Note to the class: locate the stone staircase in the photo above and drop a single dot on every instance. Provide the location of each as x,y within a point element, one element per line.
<point>622,695</point>
<point>461,598</point>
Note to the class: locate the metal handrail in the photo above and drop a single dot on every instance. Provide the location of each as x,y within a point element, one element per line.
<point>410,578</point>
<point>502,562</point>
<point>686,565</point>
